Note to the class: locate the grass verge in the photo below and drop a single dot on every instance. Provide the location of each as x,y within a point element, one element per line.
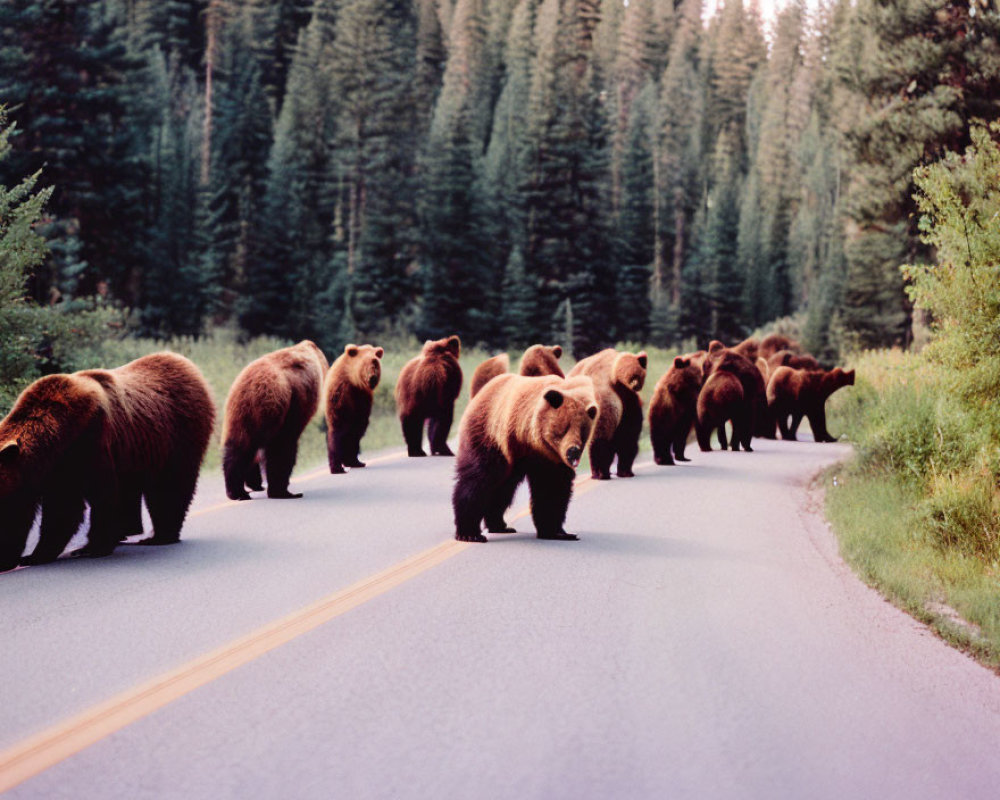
<point>916,510</point>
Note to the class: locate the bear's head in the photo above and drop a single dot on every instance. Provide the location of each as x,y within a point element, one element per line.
<point>450,347</point>
<point>629,369</point>
<point>840,377</point>
<point>364,363</point>
<point>564,418</point>
<point>541,360</point>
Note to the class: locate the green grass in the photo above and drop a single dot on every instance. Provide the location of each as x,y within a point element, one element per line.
<point>917,511</point>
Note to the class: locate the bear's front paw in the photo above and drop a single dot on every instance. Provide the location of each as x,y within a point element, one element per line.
<point>443,451</point>
<point>33,560</point>
<point>681,458</point>
<point>158,541</point>
<point>626,473</point>
<point>471,537</point>
<point>503,527</point>
<point>356,464</point>
<point>338,470</point>
<point>416,453</point>
<point>91,551</point>
<point>664,461</point>
<point>559,536</point>
<point>238,496</point>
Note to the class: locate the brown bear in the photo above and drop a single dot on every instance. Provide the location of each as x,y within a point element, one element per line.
<point>798,393</point>
<point>764,424</point>
<point>672,410</point>
<point>774,342</point>
<point>722,358</point>
<point>426,391</point>
<point>787,358</point>
<point>348,390</point>
<point>540,359</point>
<point>489,369</point>
<point>721,400</point>
<point>269,405</point>
<point>103,438</point>
<point>748,348</point>
<point>521,427</point>
<point>618,379</point>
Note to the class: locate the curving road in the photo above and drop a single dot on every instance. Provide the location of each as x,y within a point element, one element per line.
<point>702,640</point>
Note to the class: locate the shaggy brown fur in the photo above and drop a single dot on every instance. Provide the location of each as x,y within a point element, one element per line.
<point>521,427</point>
<point>724,359</point>
<point>107,439</point>
<point>618,379</point>
<point>672,410</point>
<point>269,405</point>
<point>721,400</point>
<point>774,342</point>
<point>798,393</point>
<point>540,359</point>
<point>748,348</point>
<point>348,390</point>
<point>786,358</point>
<point>489,369</point>
<point>426,391</point>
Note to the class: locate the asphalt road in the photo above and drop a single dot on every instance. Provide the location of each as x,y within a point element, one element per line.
<point>702,640</point>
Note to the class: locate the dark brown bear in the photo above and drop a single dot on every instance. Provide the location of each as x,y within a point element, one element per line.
<point>786,358</point>
<point>672,410</point>
<point>618,379</point>
<point>487,371</point>
<point>798,393</point>
<point>521,427</point>
<point>103,438</point>
<point>721,400</point>
<point>540,359</point>
<point>725,359</point>
<point>348,390</point>
<point>269,405</point>
<point>425,392</point>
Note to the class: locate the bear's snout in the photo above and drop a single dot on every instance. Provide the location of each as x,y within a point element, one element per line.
<point>573,456</point>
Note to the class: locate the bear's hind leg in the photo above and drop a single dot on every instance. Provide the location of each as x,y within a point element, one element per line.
<point>551,490</point>
<point>168,497</point>
<point>279,461</point>
<point>413,434</point>
<point>254,481</point>
<point>236,464</point>
<point>335,452</point>
<point>659,437</point>
<point>601,456</point>
<point>438,430</point>
<point>62,514</point>
<point>18,514</point>
<point>500,500</point>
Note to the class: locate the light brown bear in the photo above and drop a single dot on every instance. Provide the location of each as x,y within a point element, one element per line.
<point>798,393</point>
<point>672,410</point>
<point>538,359</point>
<point>721,400</point>
<point>107,439</point>
<point>269,405</point>
<point>725,359</point>
<point>426,391</point>
<point>521,427</point>
<point>489,369</point>
<point>348,391</point>
<point>618,379</point>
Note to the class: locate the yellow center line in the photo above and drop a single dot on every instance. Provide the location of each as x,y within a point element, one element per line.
<point>49,747</point>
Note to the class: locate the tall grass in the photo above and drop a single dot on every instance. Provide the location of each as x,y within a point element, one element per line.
<point>918,509</point>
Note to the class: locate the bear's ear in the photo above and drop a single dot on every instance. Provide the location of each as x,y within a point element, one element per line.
<point>455,345</point>
<point>351,350</point>
<point>715,346</point>
<point>9,451</point>
<point>681,363</point>
<point>642,359</point>
<point>557,351</point>
<point>592,411</point>
<point>554,398</point>
<point>379,352</point>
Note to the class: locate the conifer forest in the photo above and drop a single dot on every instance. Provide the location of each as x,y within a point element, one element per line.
<point>511,171</point>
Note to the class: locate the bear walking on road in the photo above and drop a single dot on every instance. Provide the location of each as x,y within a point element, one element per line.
<point>798,393</point>
<point>269,405</point>
<point>426,391</point>
<point>349,389</point>
<point>618,379</point>
<point>521,427</point>
<point>672,410</point>
<point>107,439</point>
